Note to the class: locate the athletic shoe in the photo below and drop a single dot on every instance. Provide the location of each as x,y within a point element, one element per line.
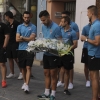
<point>10,76</point>
<point>60,84</point>
<point>67,92</point>
<point>4,84</point>
<point>42,97</point>
<point>70,86</point>
<point>20,77</point>
<point>87,83</point>
<point>26,89</point>
<point>52,97</point>
<point>23,86</point>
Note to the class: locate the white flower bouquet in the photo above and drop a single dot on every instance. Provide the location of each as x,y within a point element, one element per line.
<point>58,47</point>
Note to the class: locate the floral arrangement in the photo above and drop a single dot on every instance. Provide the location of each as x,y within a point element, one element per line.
<point>57,47</point>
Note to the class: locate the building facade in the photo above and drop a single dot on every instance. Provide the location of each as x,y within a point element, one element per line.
<point>78,9</point>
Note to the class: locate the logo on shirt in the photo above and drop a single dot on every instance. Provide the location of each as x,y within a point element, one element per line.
<point>68,33</point>
<point>11,26</point>
<point>29,28</point>
<point>50,31</point>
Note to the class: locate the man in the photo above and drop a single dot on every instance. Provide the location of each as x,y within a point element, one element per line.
<point>67,60</point>
<point>93,49</point>
<point>49,30</point>
<point>12,45</point>
<point>62,71</point>
<point>25,32</point>
<point>4,38</point>
<point>84,58</point>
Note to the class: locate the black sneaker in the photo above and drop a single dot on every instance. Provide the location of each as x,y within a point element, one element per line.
<point>67,92</point>
<point>42,97</point>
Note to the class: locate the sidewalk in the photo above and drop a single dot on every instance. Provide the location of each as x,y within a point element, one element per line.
<point>14,92</point>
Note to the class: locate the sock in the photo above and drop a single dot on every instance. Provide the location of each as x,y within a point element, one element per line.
<point>47,92</point>
<point>53,93</point>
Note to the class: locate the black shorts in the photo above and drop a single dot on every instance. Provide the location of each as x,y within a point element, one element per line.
<point>67,62</point>
<point>12,50</point>
<point>25,58</point>
<point>93,63</point>
<point>84,58</point>
<point>50,62</point>
<point>3,58</point>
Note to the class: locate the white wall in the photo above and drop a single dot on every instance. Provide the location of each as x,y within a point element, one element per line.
<point>81,20</point>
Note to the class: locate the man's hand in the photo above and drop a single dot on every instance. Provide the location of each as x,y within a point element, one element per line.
<point>21,37</point>
<point>83,38</point>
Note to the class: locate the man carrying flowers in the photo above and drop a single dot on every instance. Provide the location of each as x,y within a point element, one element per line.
<point>50,30</point>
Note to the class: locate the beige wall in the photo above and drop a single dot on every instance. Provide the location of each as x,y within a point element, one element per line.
<point>81,20</point>
<point>54,7</point>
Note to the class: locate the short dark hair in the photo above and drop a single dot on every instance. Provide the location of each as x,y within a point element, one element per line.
<point>9,14</point>
<point>94,9</point>
<point>26,12</point>
<point>66,12</point>
<point>66,19</point>
<point>43,13</point>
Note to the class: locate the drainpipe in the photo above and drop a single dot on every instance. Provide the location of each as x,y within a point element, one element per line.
<point>28,4</point>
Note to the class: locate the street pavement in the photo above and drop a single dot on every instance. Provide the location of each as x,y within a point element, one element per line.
<point>13,90</point>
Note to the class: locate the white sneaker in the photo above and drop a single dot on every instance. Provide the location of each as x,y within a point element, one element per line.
<point>70,86</point>
<point>87,83</point>
<point>10,75</point>
<point>60,84</point>
<point>26,89</point>
<point>23,86</point>
<point>20,77</point>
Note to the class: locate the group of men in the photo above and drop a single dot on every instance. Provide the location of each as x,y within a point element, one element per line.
<point>14,41</point>
<point>13,44</point>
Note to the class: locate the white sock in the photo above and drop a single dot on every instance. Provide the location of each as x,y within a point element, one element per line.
<point>53,93</point>
<point>47,92</point>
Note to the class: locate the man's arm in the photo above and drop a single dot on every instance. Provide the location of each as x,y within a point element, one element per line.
<point>18,38</point>
<point>27,39</point>
<point>74,44</point>
<point>95,42</point>
<point>6,41</point>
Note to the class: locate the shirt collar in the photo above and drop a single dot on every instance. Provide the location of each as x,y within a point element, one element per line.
<point>49,25</point>
<point>27,25</point>
<point>68,30</point>
<point>94,21</point>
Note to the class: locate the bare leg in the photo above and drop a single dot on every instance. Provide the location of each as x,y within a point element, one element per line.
<point>94,75</point>
<point>53,74</point>
<point>71,76</point>
<point>28,73</point>
<point>62,73</point>
<point>47,78</point>
<point>3,71</point>
<point>67,74</point>
<point>11,64</point>
<point>86,72</point>
<point>24,74</point>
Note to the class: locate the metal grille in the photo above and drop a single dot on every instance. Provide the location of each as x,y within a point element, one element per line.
<point>98,7</point>
<point>71,7</point>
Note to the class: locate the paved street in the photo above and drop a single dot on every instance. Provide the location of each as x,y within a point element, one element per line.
<point>14,92</point>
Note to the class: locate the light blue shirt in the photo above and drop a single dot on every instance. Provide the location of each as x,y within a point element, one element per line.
<point>94,31</point>
<point>74,26</point>
<point>85,32</point>
<point>51,32</point>
<point>69,35</point>
<point>25,31</point>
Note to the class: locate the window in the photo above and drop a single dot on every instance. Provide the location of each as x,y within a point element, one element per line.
<point>71,7</point>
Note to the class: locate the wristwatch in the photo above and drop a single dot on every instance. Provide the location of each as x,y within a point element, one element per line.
<point>86,39</point>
